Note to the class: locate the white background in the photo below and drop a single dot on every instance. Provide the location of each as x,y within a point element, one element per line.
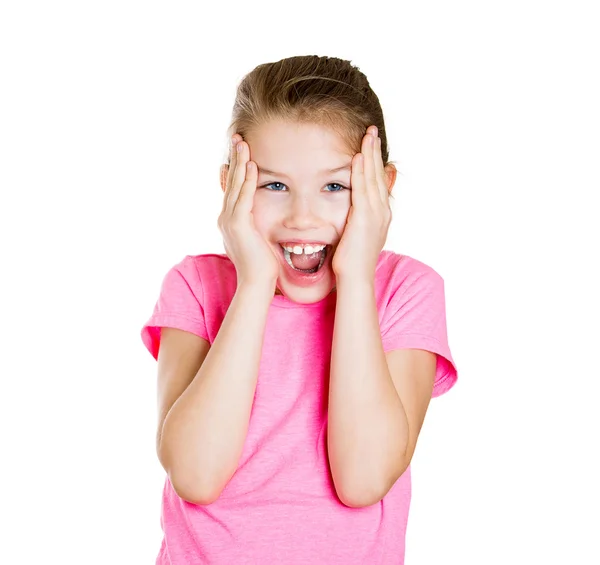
<point>113,118</point>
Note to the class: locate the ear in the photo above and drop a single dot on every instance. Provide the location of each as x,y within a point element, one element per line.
<point>390,176</point>
<point>223,176</point>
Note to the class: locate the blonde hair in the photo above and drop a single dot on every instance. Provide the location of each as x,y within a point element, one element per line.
<point>325,91</point>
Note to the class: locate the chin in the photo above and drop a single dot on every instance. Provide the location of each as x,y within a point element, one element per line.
<point>305,295</point>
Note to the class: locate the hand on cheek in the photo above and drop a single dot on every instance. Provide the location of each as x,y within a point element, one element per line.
<point>370,215</point>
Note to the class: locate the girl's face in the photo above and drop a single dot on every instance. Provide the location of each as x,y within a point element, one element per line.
<point>299,198</point>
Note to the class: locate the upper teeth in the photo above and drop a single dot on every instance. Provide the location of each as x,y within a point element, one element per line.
<point>307,249</point>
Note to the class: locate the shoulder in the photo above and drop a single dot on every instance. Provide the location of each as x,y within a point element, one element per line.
<point>200,261</point>
<point>205,267</point>
<point>395,271</point>
<point>211,277</point>
<point>198,276</point>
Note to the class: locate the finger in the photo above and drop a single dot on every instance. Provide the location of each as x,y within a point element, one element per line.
<point>245,201</point>
<point>357,180</point>
<point>235,139</point>
<point>379,171</point>
<point>239,174</point>
<point>372,191</point>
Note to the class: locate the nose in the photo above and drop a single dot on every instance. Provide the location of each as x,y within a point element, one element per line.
<point>300,214</point>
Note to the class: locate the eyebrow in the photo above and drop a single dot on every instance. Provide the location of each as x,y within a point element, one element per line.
<point>323,172</point>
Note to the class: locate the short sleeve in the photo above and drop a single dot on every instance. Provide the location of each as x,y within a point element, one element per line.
<point>179,305</point>
<point>415,318</point>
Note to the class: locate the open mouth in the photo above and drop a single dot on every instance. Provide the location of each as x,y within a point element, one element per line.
<point>319,256</point>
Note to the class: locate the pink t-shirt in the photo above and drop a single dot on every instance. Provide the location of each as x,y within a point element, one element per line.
<point>281,506</point>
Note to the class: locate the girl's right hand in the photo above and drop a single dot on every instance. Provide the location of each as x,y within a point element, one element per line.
<point>254,260</point>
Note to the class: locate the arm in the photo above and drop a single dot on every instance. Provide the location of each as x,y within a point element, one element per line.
<point>372,432</point>
<point>204,432</point>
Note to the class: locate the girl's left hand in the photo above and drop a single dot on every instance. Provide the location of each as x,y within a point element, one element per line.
<point>370,214</point>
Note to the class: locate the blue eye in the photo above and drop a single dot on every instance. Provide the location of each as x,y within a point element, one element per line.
<point>336,184</point>
<point>271,184</point>
<point>330,184</point>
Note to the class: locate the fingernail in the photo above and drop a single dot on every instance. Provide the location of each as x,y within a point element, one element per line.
<point>233,140</point>
<point>374,131</point>
<point>239,147</point>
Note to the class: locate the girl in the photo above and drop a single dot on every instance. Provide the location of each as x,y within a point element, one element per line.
<point>294,371</point>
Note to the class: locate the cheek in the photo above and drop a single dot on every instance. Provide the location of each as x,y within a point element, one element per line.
<point>267,206</point>
<point>340,224</point>
<point>261,200</point>
<point>339,214</point>
<point>263,214</point>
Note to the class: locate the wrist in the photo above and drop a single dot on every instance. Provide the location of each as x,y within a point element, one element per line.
<point>355,282</point>
<point>358,290</point>
<point>257,289</point>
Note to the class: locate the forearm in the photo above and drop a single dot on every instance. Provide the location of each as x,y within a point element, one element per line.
<point>367,424</point>
<point>205,430</point>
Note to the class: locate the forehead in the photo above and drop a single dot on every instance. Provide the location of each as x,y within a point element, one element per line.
<point>281,139</point>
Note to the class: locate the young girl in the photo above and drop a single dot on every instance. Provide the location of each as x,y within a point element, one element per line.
<point>294,371</point>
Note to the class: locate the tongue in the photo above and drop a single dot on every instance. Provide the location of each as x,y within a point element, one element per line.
<point>306,262</point>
